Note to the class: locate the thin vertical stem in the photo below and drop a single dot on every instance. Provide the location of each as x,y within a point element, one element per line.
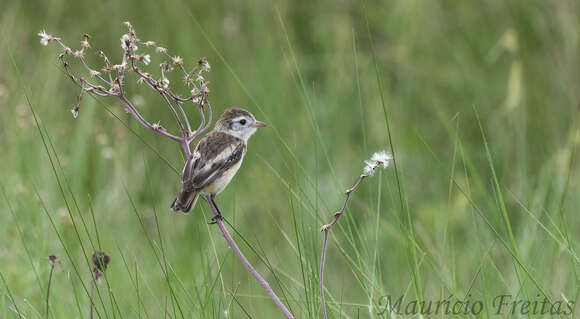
<point>91,296</point>
<point>327,227</point>
<point>322,260</point>
<point>48,289</point>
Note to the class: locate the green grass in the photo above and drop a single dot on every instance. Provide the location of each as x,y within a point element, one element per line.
<point>477,102</point>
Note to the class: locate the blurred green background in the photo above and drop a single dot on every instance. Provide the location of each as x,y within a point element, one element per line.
<point>445,225</point>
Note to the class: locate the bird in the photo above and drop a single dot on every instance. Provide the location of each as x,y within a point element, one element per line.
<point>216,159</point>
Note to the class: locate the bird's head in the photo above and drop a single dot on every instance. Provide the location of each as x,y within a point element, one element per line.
<point>238,122</point>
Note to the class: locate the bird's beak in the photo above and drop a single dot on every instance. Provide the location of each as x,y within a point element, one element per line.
<point>258,124</point>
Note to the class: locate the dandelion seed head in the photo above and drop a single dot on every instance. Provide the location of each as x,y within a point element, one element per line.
<point>381,158</point>
<point>369,169</point>
<point>44,37</point>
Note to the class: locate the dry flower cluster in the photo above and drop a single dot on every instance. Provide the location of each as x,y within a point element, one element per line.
<point>109,80</point>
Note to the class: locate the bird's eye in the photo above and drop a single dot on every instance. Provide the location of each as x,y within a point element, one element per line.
<point>243,121</point>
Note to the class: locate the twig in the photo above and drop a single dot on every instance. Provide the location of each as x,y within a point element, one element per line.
<point>378,159</point>
<point>243,259</point>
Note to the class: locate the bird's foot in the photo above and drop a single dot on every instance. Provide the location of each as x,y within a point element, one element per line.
<point>215,219</point>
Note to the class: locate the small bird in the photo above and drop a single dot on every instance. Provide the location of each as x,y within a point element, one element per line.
<point>216,158</point>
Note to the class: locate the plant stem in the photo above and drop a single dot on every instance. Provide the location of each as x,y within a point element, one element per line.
<point>322,260</point>
<point>91,296</point>
<point>48,289</point>
<point>244,260</point>
<point>327,227</point>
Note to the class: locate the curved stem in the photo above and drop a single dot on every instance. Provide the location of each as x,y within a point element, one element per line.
<point>244,260</point>
<point>327,227</point>
<point>143,122</point>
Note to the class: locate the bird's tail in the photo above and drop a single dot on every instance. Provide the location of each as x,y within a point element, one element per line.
<point>185,201</point>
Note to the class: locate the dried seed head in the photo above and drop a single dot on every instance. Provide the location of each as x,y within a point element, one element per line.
<point>75,111</point>
<point>85,43</point>
<point>157,126</point>
<point>94,72</point>
<point>146,59</point>
<point>161,50</point>
<point>100,262</point>
<point>53,259</point>
<point>204,65</point>
<point>45,38</point>
<point>195,92</point>
<point>165,83</point>
<point>188,80</point>
<point>382,158</point>
<point>119,67</point>
<point>115,88</point>
<point>127,43</point>
<point>79,54</point>
<point>165,67</point>
<point>177,60</point>
<point>149,43</point>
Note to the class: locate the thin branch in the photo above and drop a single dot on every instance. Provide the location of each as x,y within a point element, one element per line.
<point>202,126</point>
<point>325,229</point>
<point>184,133</point>
<point>378,159</point>
<point>189,131</point>
<point>138,117</point>
<point>244,260</point>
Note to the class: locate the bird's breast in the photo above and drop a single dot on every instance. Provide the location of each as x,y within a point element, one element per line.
<point>221,182</point>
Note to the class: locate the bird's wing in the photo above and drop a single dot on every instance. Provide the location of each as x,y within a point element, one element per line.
<point>215,154</point>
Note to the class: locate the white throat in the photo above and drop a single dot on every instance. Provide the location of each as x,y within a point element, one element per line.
<point>244,134</point>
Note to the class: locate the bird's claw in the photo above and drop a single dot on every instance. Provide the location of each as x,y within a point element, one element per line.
<point>214,219</point>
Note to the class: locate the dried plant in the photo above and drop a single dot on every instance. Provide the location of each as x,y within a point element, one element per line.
<point>379,159</point>
<point>100,262</point>
<point>109,81</point>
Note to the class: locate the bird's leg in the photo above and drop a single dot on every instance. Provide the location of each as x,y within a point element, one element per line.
<point>217,214</point>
